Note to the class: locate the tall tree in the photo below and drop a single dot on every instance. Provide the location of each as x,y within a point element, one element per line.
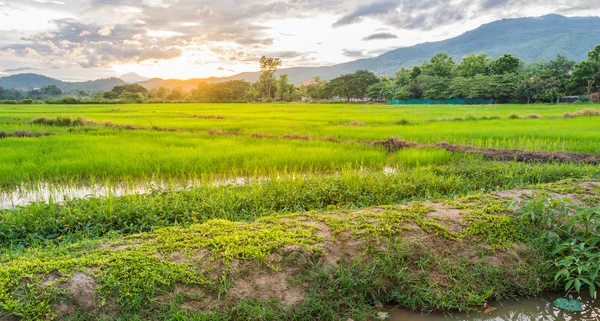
<point>440,65</point>
<point>267,84</point>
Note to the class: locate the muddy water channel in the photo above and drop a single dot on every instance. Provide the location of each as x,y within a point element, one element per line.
<point>522,309</point>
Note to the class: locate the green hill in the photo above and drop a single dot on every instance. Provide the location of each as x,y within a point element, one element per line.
<point>531,39</point>
<point>31,81</point>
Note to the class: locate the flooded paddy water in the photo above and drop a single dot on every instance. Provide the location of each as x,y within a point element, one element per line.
<point>519,309</point>
<point>24,195</point>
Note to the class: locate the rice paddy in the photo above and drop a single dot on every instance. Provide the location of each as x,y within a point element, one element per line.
<point>231,140</point>
<point>277,211</point>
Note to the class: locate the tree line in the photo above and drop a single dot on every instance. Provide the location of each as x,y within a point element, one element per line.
<point>476,76</point>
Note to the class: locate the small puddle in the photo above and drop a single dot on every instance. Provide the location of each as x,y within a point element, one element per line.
<point>45,192</point>
<point>522,309</point>
<point>24,195</point>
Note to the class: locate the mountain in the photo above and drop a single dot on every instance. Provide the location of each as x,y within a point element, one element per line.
<point>133,77</point>
<point>185,84</point>
<point>31,81</point>
<point>531,39</point>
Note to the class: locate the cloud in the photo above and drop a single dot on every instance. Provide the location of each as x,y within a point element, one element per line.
<point>372,9</point>
<point>353,53</point>
<point>103,33</point>
<point>106,30</point>
<point>380,36</point>
<point>19,69</point>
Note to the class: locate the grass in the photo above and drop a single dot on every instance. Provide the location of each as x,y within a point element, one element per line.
<point>94,217</point>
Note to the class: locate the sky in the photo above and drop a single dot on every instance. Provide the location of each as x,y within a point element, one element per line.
<point>90,39</point>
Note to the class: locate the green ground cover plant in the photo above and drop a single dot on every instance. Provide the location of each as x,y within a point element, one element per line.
<point>340,263</point>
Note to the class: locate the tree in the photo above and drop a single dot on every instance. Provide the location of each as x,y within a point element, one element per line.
<point>505,64</point>
<point>132,98</point>
<point>352,85</point>
<point>416,72</point>
<point>473,65</point>
<point>586,75</point>
<point>110,95</point>
<point>434,87</point>
<point>252,94</point>
<point>176,94</point>
<point>159,93</point>
<point>267,83</point>
<point>285,90</point>
<point>440,65</point>
<point>130,88</point>
<point>315,90</point>
<point>503,87</point>
<point>51,91</point>
<point>387,89</point>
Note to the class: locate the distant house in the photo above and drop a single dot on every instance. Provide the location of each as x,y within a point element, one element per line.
<point>20,89</point>
<point>308,83</point>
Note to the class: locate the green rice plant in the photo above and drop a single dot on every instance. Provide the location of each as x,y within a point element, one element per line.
<point>423,157</point>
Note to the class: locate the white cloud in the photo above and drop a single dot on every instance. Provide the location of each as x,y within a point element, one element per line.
<point>106,30</point>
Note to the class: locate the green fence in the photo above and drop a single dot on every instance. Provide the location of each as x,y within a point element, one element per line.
<point>452,101</point>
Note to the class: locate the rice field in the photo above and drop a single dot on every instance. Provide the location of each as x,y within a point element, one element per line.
<point>207,141</point>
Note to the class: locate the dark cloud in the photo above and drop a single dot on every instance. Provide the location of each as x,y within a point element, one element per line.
<point>372,9</point>
<point>381,36</point>
<point>20,69</point>
<point>353,53</point>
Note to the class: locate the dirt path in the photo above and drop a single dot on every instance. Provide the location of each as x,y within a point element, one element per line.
<point>394,144</point>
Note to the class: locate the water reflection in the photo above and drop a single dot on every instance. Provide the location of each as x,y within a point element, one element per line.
<point>524,309</point>
<point>45,192</point>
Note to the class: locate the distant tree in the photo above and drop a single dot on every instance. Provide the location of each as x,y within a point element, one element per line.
<point>586,74</point>
<point>110,95</point>
<point>416,72</point>
<point>267,84</point>
<point>352,85</point>
<point>285,90</point>
<point>132,97</point>
<point>159,93</point>
<point>252,94</point>
<point>434,87</point>
<point>315,90</point>
<point>505,64</point>
<point>176,94</point>
<point>7,94</point>
<point>130,88</point>
<point>440,65</point>
<point>387,89</point>
<point>404,76</point>
<point>503,87</point>
<point>526,89</point>
<point>473,65</point>
<point>51,91</point>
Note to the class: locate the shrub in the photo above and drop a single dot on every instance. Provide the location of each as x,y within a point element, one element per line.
<point>595,97</point>
<point>513,116</point>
